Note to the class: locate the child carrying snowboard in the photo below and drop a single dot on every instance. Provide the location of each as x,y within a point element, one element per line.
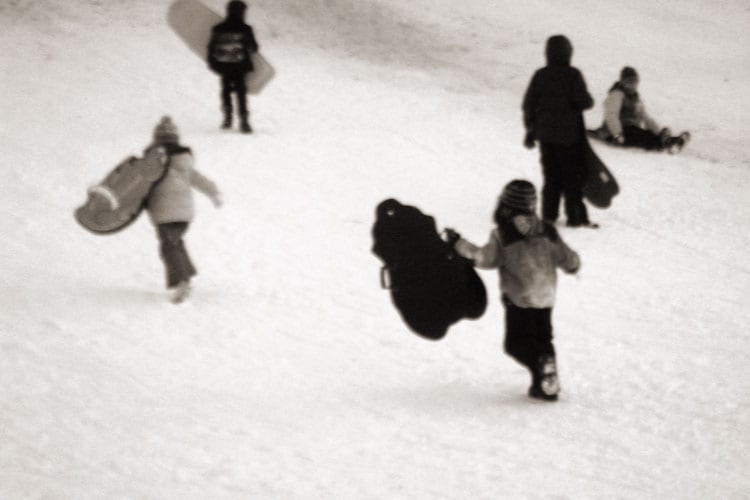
<point>170,206</point>
<point>626,122</point>
<point>232,42</point>
<point>527,252</point>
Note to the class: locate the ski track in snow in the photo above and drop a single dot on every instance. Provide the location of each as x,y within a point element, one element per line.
<point>288,374</point>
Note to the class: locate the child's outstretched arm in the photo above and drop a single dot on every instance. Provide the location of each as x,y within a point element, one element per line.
<point>565,257</point>
<point>206,186</point>
<point>485,257</point>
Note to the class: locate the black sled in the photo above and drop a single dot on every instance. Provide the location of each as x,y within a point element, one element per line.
<point>431,285</point>
<point>599,185</point>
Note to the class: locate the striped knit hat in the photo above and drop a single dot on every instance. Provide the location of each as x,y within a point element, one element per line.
<point>166,132</point>
<point>519,195</point>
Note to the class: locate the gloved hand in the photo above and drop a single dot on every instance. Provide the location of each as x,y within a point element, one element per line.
<point>451,236</point>
<point>216,200</point>
<point>528,141</point>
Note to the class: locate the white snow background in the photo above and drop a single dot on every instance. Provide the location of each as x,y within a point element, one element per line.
<point>289,374</point>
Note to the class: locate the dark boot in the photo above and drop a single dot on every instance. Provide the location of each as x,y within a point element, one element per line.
<point>677,143</point>
<point>545,385</point>
<point>665,138</point>
<point>227,123</point>
<point>245,126</point>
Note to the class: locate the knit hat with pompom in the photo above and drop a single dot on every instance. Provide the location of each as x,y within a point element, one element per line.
<point>628,73</point>
<point>166,132</point>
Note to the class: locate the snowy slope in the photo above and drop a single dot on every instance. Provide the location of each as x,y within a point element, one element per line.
<point>289,374</point>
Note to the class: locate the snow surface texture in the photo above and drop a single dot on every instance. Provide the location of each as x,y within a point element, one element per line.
<point>288,374</point>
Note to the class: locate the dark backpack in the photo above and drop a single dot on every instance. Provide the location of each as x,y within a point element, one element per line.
<point>431,285</point>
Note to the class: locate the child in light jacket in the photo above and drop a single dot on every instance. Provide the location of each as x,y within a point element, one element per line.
<point>171,208</point>
<point>527,252</point>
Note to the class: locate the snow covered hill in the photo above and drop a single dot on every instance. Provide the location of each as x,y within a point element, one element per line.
<point>289,374</point>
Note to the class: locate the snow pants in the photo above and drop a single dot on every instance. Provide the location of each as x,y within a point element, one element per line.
<point>564,172</point>
<point>234,82</point>
<point>640,138</point>
<point>173,253</point>
<point>528,335</point>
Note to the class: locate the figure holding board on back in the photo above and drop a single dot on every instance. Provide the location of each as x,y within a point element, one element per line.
<point>229,47</point>
<point>232,42</point>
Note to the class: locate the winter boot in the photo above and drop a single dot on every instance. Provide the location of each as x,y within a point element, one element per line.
<point>245,125</point>
<point>227,123</point>
<point>181,292</point>
<point>546,385</point>
<point>665,138</point>
<point>677,143</point>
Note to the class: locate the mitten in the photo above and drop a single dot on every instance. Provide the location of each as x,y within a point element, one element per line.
<point>451,236</point>
<point>528,141</point>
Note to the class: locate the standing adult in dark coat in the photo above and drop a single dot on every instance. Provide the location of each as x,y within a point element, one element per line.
<point>232,42</point>
<point>552,113</point>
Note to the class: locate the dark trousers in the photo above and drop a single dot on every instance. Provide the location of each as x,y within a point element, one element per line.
<point>528,335</point>
<point>173,253</point>
<point>234,83</point>
<point>564,172</point>
<point>640,138</point>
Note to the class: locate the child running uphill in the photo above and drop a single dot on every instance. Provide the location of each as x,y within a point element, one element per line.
<point>527,252</point>
<point>170,206</point>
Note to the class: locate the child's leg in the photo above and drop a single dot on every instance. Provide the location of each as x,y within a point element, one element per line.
<point>545,384</point>
<point>573,178</point>
<point>553,183</point>
<point>177,262</point>
<point>518,337</point>
<point>641,138</point>
<point>543,332</point>
<point>226,100</point>
<point>241,89</point>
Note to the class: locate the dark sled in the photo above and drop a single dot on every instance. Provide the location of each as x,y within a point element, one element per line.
<point>599,185</point>
<point>431,285</point>
<point>116,201</point>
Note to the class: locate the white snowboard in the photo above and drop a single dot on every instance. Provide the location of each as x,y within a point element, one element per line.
<point>192,21</point>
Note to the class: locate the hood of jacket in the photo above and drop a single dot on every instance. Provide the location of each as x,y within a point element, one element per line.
<point>236,11</point>
<point>559,51</point>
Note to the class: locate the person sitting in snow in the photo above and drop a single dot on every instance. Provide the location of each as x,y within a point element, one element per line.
<point>553,108</point>
<point>627,123</point>
<point>170,206</point>
<point>527,252</point>
<point>229,49</point>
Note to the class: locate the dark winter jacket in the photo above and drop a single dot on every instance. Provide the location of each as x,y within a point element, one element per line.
<point>232,42</point>
<point>622,109</point>
<point>527,252</point>
<point>556,97</point>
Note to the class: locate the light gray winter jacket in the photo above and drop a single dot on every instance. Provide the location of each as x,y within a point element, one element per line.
<point>621,110</point>
<point>527,256</point>
<point>172,198</point>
